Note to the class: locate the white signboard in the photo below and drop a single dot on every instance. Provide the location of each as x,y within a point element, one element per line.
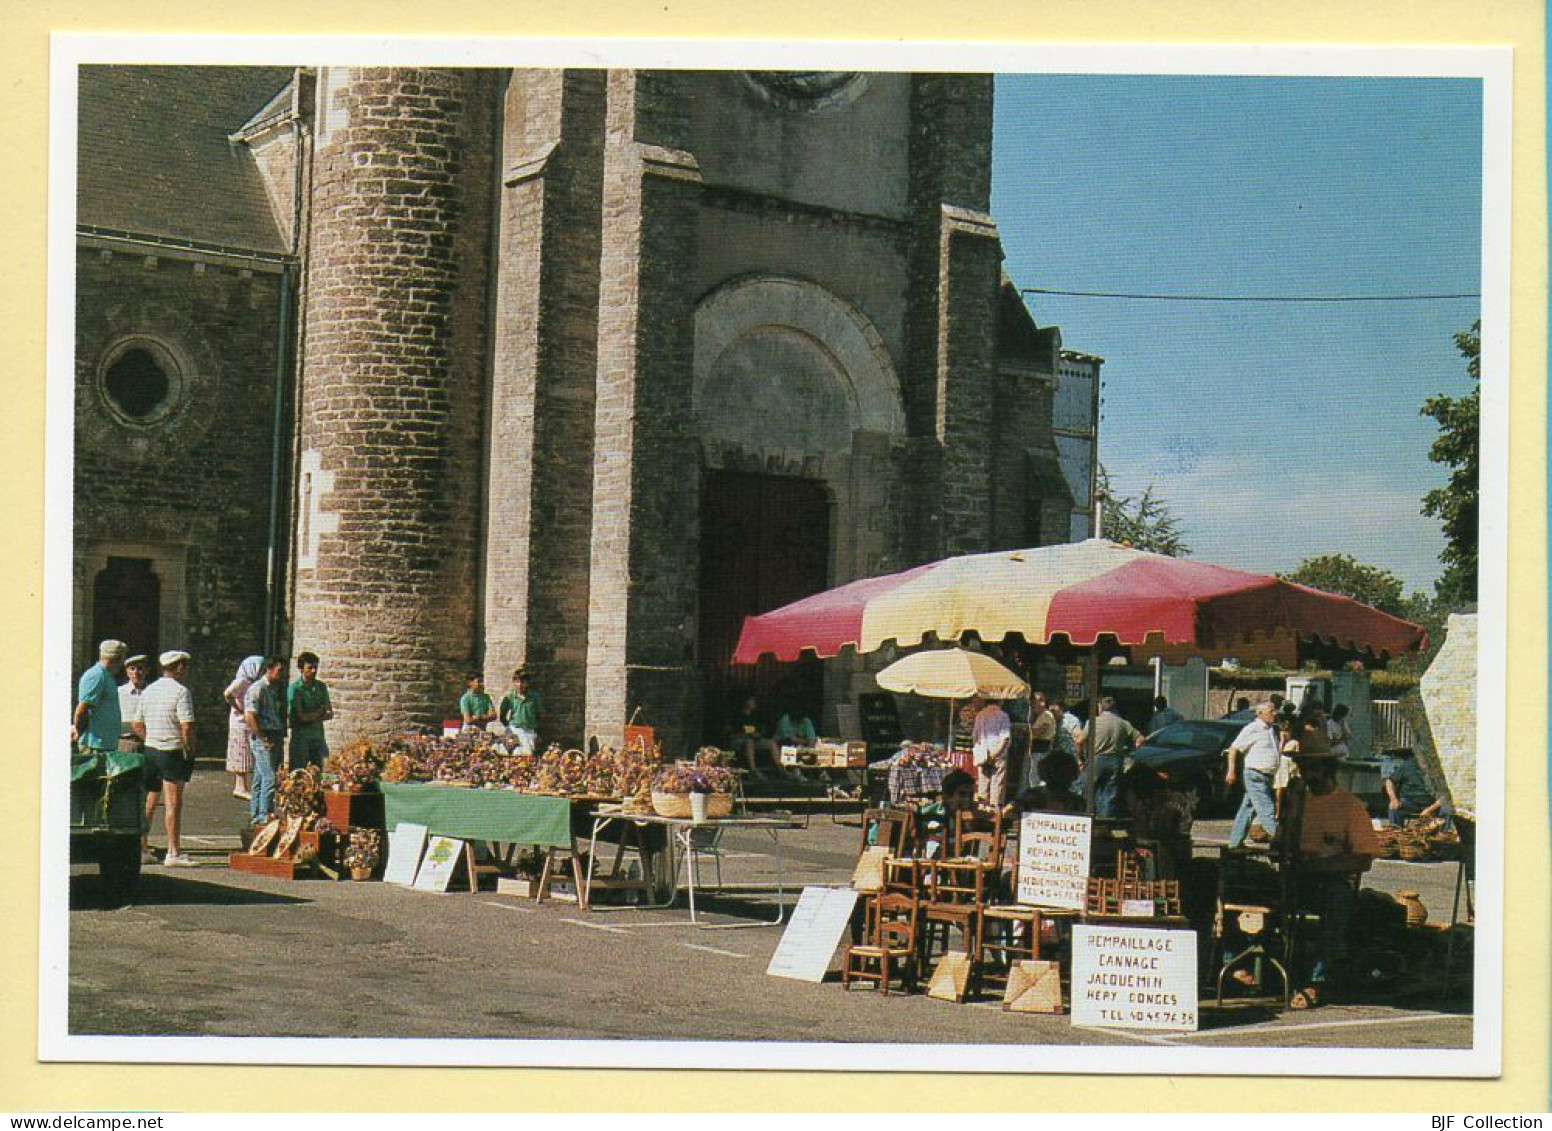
<point>1133,978</point>
<point>436,870</point>
<point>405,844</point>
<point>1053,866</point>
<point>812,934</point>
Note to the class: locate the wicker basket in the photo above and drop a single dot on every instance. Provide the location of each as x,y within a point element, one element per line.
<point>678,804</point>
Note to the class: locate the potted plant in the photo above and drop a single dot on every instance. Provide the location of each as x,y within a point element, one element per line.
<point>363,853</point>
<point>674,788</point>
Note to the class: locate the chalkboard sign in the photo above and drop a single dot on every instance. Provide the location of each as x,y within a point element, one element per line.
<point>879,718</point>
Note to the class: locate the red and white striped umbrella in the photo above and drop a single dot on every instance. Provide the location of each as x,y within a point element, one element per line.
<point>1079,590</point>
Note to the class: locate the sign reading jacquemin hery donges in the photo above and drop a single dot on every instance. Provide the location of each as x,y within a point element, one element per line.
<point>1133,978</point>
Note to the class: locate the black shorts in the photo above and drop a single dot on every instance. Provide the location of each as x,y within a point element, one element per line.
<point>170,765</point>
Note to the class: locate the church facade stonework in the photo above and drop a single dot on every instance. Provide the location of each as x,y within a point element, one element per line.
<point>568,369</point>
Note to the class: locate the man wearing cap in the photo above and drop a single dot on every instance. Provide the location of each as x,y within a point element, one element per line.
<point>167,714</point>
<point>1334,842</point>
<point>95,724</point>
<point>131,729</point>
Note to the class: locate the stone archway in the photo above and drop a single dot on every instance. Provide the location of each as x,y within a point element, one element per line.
<point>794,383</point>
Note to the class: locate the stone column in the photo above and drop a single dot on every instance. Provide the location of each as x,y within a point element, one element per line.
<point>646,469</point>
<point>392,391</point>
<point>539,546</point>
<point>949,379</point>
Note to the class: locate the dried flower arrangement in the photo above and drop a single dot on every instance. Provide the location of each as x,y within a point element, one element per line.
<point>299,794</point>
<point>689,777</point>
<point>399,768</point>
<point>358,765</point>
<point>480,759</point>
<point>923,755</point>
<point>365,850</point>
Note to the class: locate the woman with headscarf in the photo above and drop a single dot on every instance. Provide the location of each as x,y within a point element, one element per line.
<point>239,758</point>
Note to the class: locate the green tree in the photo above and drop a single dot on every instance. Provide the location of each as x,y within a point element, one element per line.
<point>1144,522</point>
<point>1458,447</point>
<point>1345,575</point>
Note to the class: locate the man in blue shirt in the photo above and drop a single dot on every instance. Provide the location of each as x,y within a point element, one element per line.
<point>95,725</point>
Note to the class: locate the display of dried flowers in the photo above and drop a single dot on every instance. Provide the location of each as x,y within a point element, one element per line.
<point>690,777</point>
<point>399,768</point>
<point>365,850</point>
<point>358,765</point>
<point>299,794</point>
<point>481,759</point>
<point>923,755</point>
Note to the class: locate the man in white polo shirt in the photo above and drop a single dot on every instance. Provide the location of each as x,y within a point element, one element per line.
<point>167,713</point>
<point>1258,742</point>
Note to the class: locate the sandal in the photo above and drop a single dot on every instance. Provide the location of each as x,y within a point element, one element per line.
<point>1307,998</point>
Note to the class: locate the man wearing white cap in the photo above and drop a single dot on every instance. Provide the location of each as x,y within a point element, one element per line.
<point>167,713</point>
<point>95,725</point>
<point>131,729</point>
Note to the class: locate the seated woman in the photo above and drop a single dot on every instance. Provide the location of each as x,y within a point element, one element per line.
<point>795,728</point>
<point>935,820</point>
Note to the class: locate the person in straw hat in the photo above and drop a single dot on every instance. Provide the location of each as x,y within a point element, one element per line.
<point>1327,841</point>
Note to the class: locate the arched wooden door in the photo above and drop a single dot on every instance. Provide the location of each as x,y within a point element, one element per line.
<point>127,605</point>
<point>765,542</point>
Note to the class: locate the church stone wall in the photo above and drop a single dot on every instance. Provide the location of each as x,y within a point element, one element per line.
<point>392,390</point>
<point>542,396</point>
<point>190,491</point>
<point>847,152</point>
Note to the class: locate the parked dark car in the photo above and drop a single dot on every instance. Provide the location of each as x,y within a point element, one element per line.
<point>1190,752</point>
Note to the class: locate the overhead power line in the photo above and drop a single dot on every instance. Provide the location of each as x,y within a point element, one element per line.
<point>1248,298</point>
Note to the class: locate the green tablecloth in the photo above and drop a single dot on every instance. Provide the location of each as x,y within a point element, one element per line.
<point>480,814</point>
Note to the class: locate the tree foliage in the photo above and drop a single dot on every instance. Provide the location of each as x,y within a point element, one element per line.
<point>1345,575</point>
<point>1144,522</point>
<point>1458,447</point>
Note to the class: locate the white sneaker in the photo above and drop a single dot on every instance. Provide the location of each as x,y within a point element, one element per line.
<point>181,860</point>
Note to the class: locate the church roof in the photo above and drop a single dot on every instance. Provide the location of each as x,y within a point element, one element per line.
<point>154,157</point>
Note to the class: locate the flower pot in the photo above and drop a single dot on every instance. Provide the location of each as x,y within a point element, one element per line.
<point>697,807</point>
<point>361,875</point>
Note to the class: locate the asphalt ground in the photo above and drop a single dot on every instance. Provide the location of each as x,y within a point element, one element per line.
<point>209,951</point>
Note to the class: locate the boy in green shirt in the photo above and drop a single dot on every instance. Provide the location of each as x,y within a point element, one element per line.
<point>474,705</point>
<point>308,708</point>
<point>520,711</point>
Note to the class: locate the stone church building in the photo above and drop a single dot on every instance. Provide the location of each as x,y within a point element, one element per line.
<point>438,370</point>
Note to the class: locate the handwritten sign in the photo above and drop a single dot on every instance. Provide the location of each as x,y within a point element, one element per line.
<point>812,934</point>
<point>1133,978</point>
<point>1053,868</point>
<point>436,870</point>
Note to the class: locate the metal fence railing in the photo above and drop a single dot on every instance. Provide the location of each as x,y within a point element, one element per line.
<point>1390,728</point>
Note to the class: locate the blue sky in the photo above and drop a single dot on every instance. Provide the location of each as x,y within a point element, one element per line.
<point>1275,431</point>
